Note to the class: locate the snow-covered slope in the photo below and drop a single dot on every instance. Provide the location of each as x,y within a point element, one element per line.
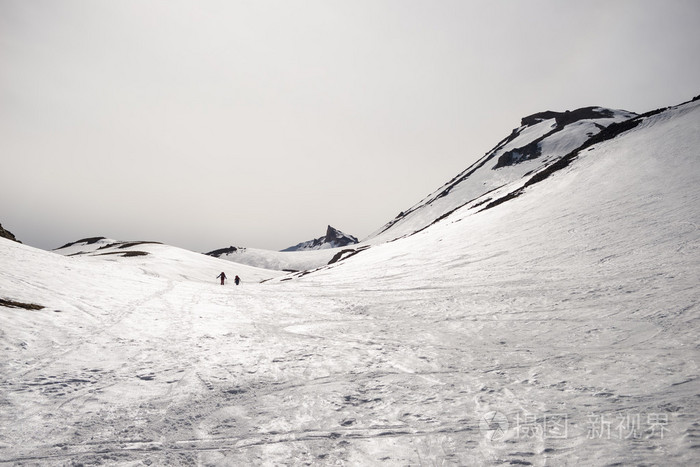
<point>156,258</point>
<point>540,141</point>
<point>556,328</point>
<point>334,238</point>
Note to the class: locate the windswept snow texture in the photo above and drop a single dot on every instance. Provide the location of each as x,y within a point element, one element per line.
<point>540,141</point>
<point>558,328</point>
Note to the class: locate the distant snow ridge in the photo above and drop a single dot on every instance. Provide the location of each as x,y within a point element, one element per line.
<point>224,251</point>
<point>541,143</point>
<point>102,246</point>
<point>334,238</point>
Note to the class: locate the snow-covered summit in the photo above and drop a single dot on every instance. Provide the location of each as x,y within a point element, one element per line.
<point>334,238</point>
<point>541,140</point>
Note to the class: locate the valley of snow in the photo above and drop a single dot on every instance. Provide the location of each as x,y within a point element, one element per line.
<point>557,328</point>
<point>281,260</point>
<point>300,257</point>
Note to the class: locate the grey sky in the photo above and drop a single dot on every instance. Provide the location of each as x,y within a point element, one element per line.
<point>205,124</point>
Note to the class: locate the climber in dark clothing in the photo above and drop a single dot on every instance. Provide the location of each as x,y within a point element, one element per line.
<point>237,280</point>
<point>222,276</point>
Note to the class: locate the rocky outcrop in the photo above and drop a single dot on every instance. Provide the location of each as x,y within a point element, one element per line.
<point>7,234</point>
<point>568,116</point>
<point>533,150</point>
<point>222,251</point>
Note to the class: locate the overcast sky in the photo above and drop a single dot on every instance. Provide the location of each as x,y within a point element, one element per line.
<point>205,124</point>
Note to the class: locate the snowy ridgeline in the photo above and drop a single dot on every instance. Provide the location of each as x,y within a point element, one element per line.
<point>334,238</point>
<point>540,142</point>
<point>557,327</point>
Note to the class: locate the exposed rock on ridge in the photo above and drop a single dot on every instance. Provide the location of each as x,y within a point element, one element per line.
<point>222,251</point>
<point>7,234</point>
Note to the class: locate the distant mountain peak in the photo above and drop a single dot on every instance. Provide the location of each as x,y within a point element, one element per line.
<point>334,238</point>
<point>333,233</point>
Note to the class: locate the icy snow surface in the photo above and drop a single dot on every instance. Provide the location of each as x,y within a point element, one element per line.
<point>558,328</point>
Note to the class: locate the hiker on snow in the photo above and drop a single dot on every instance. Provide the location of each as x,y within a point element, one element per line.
<point>222,276</point>
<point>237,280</point>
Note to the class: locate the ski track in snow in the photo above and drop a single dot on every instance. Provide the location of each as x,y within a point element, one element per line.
<point>536,337</point>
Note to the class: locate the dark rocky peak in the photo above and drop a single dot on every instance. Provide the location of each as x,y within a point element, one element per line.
<point>332,233</point>
<point>334,238</point>
<point>338,238</point>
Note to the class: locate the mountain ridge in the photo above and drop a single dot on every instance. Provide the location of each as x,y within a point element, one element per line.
<point>542,139</point>
<point>333,238</point>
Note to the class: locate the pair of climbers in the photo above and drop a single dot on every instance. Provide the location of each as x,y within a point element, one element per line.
<point>223,277</point>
